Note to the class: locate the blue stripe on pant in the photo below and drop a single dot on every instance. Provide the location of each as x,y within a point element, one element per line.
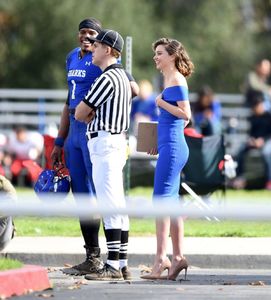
<point>78,162</point>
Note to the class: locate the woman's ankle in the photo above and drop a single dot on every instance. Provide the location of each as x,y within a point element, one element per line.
<point>177,258</point>
<point>159,259</point>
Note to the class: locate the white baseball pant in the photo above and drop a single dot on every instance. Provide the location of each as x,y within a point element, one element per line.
<point>108,157</point>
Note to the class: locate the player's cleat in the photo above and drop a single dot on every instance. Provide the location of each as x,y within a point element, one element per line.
<point>89,266</point>
<point>106,273</point>
<point>126,273</point>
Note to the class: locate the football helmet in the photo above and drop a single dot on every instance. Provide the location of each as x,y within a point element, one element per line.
<point>53,181</point>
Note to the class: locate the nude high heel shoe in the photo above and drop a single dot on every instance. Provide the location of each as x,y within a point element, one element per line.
<point>174,271</point>
<point>164,265</point>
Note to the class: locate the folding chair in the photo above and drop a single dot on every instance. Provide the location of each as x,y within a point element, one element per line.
<point>204,172</point>
<point>48,148</point>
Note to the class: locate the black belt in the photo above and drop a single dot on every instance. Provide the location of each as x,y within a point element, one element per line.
<point>93,135</point>
<point>71,111</point>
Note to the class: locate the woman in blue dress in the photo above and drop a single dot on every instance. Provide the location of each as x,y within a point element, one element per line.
<point>173,61</point>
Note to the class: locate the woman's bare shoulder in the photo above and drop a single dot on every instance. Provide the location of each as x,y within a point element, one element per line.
<point>179,80</point>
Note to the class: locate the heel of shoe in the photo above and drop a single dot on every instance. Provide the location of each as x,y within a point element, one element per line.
<point>178,268</point>
<point>185,273</point>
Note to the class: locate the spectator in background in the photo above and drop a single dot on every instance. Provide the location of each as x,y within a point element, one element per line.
<point>143,106</point>
<point>3,141</point>
<point>25,148</point>
<point>5,164</point>
<point>5,157</point>
<point>207,112</point>
<point>257,80</point>
<point>259,138</point>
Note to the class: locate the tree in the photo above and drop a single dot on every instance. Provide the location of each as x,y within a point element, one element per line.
<point>217,40</point>
<point>222,37</point>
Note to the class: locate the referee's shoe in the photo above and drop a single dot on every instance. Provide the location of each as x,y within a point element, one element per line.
<point>110,273</point>
<point>106,273</point>
<point>126,273</point>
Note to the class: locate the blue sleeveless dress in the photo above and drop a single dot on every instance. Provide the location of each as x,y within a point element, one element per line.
<point>172,148</point>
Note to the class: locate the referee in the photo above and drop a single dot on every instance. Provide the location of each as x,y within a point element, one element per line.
<point>106,109</point>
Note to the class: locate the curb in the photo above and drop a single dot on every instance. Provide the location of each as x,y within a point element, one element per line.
<point>209,261</point>
<point>17,282</point>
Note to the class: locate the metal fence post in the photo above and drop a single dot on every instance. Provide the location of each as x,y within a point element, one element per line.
<point>128,68</point>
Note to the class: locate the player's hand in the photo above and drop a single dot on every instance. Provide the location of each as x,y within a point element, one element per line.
<point>56,155</point>
<point>158,100</point>
<point>153,151</point>
<point>90,117</point>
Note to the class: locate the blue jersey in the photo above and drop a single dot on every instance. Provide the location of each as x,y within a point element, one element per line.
<point>81,73</point>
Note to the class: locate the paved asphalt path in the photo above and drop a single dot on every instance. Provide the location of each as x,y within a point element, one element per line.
<point>200,284</point>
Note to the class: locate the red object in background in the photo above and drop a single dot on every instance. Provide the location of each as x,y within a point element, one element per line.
<point>221,165</point>
<point>192,132</point>
<point>48,148</point>
<point>20,281</point>
<point>33,169</point>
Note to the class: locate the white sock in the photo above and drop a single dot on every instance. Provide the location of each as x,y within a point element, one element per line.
<point>123,263</point>
<point>114,263</point>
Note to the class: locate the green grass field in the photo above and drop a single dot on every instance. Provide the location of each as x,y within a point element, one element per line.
<point>33,226</point>
<point>7,264</point>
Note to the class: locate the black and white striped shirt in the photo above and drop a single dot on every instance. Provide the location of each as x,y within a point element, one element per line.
<point>110,97</point>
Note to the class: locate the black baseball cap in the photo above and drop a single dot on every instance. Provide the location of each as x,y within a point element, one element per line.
<point>111,38</point>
